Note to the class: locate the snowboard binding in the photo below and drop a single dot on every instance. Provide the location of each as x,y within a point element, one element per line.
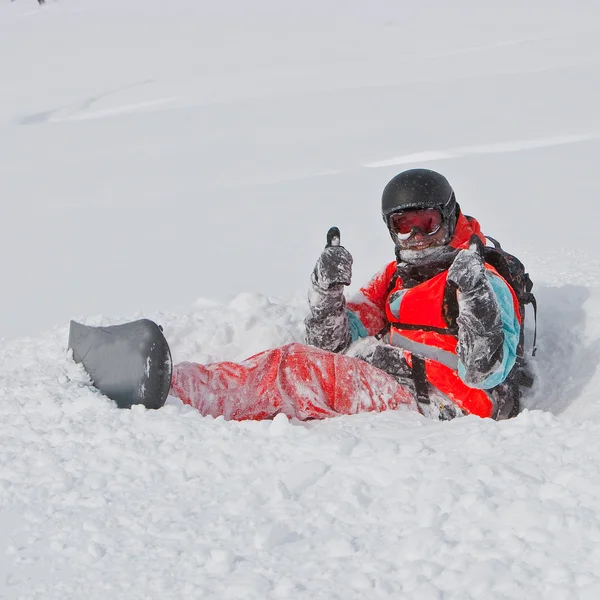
<point>129,363</point>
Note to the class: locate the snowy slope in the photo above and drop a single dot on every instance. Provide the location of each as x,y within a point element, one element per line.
<point>98,502</point>
<point>154,152</point>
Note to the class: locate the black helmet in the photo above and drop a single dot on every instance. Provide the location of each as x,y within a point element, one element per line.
<point>420,188</point>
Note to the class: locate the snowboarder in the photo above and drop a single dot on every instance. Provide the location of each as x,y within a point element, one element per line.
<point>438,329</point>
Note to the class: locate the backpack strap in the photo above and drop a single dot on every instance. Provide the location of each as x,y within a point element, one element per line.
<point>420,379</point>
<point>533,303</point>
<point>496,243</point>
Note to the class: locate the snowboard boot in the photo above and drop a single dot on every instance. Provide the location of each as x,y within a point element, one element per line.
<point>130,363</point>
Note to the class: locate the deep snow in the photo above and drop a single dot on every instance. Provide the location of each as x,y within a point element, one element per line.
<point>154,152</point>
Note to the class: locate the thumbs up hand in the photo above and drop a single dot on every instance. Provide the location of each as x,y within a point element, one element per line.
<point>467,271</point>
<point>334,266</point>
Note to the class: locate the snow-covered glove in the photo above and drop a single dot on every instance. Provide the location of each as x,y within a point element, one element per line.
<point>327,325</point>
<point>480,336</point>
<point>334,266</point>
<point>467,271</point>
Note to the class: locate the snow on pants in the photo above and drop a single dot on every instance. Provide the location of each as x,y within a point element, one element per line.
<point>296,380</point>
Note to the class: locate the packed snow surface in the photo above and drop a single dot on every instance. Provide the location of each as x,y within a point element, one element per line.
<point>155,152</point>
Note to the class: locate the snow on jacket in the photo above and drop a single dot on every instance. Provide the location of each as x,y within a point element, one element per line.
<point>453,363</point>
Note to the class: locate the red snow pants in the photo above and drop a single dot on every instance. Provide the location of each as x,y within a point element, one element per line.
<point>296,380</point>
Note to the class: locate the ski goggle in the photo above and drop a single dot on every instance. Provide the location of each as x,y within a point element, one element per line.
<point>426,221</point>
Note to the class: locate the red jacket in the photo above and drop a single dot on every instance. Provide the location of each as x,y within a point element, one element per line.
<point>423,319</point>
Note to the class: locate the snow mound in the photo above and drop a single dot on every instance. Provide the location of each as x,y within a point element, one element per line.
<point>98,502</point>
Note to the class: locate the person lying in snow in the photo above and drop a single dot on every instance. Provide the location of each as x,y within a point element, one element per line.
<point>438,329</point>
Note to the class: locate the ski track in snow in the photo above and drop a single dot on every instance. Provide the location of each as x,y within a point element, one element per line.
<point>117,110</point>
<point>492,148</point>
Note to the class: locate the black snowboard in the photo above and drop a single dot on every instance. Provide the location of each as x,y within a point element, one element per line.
<point>130,363</point>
